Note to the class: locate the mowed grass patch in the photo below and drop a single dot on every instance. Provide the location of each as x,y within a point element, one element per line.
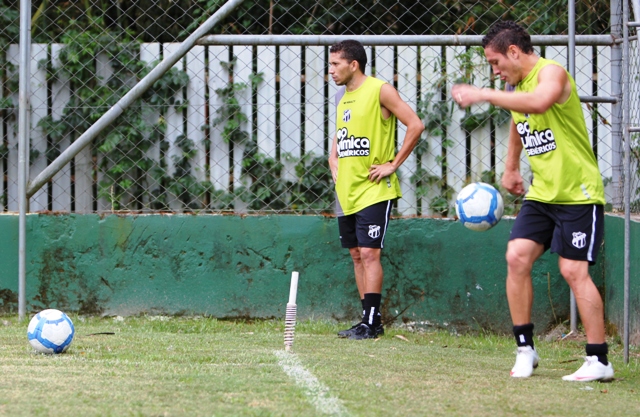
<point>156,366</point>
<point>150,366</point>
<point>442,374</point>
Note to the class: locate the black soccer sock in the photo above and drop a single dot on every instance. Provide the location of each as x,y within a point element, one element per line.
<point>372,315</point>
<point>364,308</point>
<point>600,350</point>
<point>524,334</point>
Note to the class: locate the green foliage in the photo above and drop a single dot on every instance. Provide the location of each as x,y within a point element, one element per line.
<point>133,156</point>
<point>434,187</point>
<point>230,114</point>
<point>264,185</point>
<point>6,103</point>
<point>436,115</point>
<point>163,93</point>
<point>127,169</point>
<point>387,17</point>
<point>310,191</point>
<point>267,189</point>
<point>171,21</point>
<point>9,33</point>
<point>10,21</point>
<point>200,14</point>
<point>315,188</point>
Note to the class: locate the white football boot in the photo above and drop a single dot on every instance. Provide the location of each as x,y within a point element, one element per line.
<point>591,370</point>
<point>526,361</point>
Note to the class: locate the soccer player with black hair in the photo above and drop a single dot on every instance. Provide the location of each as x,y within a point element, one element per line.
<point>564,206</point>
<point>363,163</point>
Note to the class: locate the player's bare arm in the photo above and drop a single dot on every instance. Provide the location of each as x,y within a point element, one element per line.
<point>333,159</point>
<point>553,87</point>
<point>391,101</point>
<point>511,178</point>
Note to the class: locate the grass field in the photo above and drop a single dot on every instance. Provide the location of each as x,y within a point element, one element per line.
<point>160,366</point>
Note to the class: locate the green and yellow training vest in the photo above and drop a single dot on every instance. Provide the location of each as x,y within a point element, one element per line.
<point>364,138</point>
<point>565,170</point>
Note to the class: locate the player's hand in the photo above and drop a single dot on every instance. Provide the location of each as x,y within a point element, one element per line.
<point>466,95</point>
<point>333,166</point>
<point>378,172</point>
<point>512,182</point>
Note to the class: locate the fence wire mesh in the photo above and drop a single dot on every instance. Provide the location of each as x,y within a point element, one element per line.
<point>246,128</point>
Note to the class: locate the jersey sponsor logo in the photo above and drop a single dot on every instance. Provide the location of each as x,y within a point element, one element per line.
<point>374,231</point>
<point>536,142</point>
<point>351,145</point>
<point>579,240</point>
<point>346,115</point>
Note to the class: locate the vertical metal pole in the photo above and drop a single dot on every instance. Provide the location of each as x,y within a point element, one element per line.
<point>572,71</point>
<point>616,108</point>
<point>627,216</point>
<point>627,172</point>
<point>23,147</point>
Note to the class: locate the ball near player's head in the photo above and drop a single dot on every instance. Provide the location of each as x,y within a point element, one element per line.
<point>347,58</point>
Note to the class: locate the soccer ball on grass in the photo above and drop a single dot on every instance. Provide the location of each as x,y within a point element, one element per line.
<point>479,206</point>
<point>50,331</point>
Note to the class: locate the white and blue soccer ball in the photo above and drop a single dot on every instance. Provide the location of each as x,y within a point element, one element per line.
<point>50,331</point>
<point>479,206</point>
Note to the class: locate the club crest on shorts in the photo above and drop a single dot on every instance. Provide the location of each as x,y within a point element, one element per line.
<point>346,115</point>
<point>579,239</point>
<point>374,231</point>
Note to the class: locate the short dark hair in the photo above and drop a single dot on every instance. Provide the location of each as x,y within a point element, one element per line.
<point>506,33</point>
<point>351,51</point>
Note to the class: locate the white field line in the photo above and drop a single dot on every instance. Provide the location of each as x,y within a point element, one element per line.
<point>317,393</point>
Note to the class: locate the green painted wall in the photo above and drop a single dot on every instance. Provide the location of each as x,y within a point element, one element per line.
<point>229,266</point>
<point>614,266</point>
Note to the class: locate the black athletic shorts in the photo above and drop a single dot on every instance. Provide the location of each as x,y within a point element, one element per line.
<point>572,231</point>
<point>366,228</point>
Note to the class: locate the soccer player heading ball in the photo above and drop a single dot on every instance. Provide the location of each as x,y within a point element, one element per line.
<point>564,206</point>
<point>363,164</point>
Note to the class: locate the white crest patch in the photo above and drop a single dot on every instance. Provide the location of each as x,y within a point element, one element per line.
<point>579,240</point>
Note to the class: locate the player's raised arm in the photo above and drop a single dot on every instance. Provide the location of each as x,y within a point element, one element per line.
<point>553,87</point>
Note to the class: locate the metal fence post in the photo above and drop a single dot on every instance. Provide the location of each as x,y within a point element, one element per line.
<point>571,59</point>
<point>616,108</point>
<point>23,148</point>
<point>626,102</point>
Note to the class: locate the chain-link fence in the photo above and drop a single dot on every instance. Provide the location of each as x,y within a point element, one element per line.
<point>246,127</point>
<point>634,121</point>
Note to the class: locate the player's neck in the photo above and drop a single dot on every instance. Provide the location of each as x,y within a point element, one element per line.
<point>356,81</point>
<point>528,62</point>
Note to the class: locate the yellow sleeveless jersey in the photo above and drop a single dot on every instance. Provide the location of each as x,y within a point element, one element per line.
<point>364,138</point>
<point>565,170</point>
